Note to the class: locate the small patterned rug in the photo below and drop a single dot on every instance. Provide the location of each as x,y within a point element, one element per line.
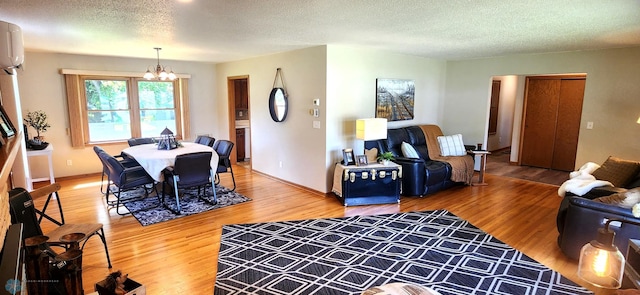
<point>189,201</point>
<point>434,249</point>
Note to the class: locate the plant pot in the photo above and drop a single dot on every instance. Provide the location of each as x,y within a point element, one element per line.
<point>385,162</point>
<point>43,145</point>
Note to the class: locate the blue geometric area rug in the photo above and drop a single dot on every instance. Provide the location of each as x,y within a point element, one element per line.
<point>189,202</point>
<point>348,255</point>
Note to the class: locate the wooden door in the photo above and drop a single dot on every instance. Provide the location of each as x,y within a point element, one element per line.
<point>240,148</point>
<point>568,124</point>
<point>540,122</point>
<point>493,109</point>
<point>551,121</point>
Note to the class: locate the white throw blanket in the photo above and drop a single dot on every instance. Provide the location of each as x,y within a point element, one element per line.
<point>580,182</point>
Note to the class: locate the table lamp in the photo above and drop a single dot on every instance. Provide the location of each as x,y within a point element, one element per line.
<point>371,129</point>
<point>601,263</point>
<point>167,140</point>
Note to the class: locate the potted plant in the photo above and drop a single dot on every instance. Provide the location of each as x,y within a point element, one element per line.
<point>38,121</point>
<point>386,157</point>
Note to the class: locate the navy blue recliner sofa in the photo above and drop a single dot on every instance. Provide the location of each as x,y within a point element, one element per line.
<point>419,176</point>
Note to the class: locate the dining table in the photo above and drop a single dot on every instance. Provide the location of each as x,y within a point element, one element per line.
<point>154,161</point>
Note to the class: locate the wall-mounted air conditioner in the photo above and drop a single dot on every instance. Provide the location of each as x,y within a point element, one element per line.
<point>11,46</point>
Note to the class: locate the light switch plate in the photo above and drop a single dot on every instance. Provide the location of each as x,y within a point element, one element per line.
<point>589,125</point>
<point>316,124</point>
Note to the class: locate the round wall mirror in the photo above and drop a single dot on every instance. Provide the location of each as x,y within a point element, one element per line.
<point>278,105</point>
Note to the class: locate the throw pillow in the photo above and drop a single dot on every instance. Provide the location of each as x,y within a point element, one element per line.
<point>400,289</point>
<point>617,171</point>
<point>372,155</point>
<point>625,199</point>
<point>451,145</point>
<point>635,210</point>
<point>408,151</point>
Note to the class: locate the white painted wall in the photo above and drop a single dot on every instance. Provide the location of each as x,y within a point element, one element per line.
<point>294,142</point>
<point>42,88</point>
<point>351,93</point>
<point>506,108</point>
<point>344,79</point>
<point>452,94</point>
<point>610,99</point>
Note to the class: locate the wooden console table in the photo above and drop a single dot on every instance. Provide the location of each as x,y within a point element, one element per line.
<point>483,164</point>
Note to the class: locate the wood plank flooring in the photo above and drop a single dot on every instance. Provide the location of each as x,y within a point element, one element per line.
<point>180,256</point>
<point>498,163</point>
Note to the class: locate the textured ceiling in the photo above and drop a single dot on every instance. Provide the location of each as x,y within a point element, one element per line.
<point>226,30</point>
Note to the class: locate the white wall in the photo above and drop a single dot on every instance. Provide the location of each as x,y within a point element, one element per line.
<point>351,93</point>
<point>506,109</point>
<point>294,142</point>
<point>344,79</point>
<point>610,99</point>
<point>42,88</point>
<point>452,94</point>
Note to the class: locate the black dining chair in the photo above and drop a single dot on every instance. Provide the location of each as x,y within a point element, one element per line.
<point>224,148</point>
<point>125,179</point>
<point>140,140</point>
<point>205,140</point>
<point>126,161</point>
<point>189,171</point>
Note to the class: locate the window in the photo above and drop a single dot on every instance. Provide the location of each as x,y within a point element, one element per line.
<point>116,108</point>
<point>107,108</point>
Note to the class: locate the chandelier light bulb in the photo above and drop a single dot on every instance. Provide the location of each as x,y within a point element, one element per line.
<point>159,73</point>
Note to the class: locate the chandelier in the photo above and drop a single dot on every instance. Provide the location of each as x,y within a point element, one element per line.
<point>160,72</point>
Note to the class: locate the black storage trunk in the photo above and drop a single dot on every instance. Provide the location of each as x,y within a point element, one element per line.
<point>372,184</point>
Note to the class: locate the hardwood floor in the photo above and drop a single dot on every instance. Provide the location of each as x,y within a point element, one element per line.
<point>180,256</point>
<point>498,163</point>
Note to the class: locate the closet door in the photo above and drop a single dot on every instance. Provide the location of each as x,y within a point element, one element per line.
<point>568,124</point>
<point>540,117</point>
<point>551,126</point>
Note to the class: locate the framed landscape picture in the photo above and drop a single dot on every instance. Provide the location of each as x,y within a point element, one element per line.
<point>394,99</point>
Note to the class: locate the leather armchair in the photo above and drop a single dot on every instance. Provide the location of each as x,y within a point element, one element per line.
<point>419,176</point>
<point>579,218</point>
<point>583,219</point>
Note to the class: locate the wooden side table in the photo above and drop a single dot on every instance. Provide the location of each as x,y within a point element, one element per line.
<point>483,164</point>
<point>631,278</point>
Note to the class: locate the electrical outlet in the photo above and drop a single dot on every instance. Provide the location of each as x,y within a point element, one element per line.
<point>589,125</point>
<point>69,163</point>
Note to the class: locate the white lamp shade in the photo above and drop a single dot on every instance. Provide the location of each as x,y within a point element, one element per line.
<point>371,129</point>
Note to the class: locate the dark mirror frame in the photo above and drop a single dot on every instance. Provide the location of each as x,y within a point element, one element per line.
<point>272,105</point>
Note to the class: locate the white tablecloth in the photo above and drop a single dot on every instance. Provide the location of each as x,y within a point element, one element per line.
<point>154,160</point>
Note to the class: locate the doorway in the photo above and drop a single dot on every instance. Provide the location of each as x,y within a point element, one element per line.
<point>239,119</point>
